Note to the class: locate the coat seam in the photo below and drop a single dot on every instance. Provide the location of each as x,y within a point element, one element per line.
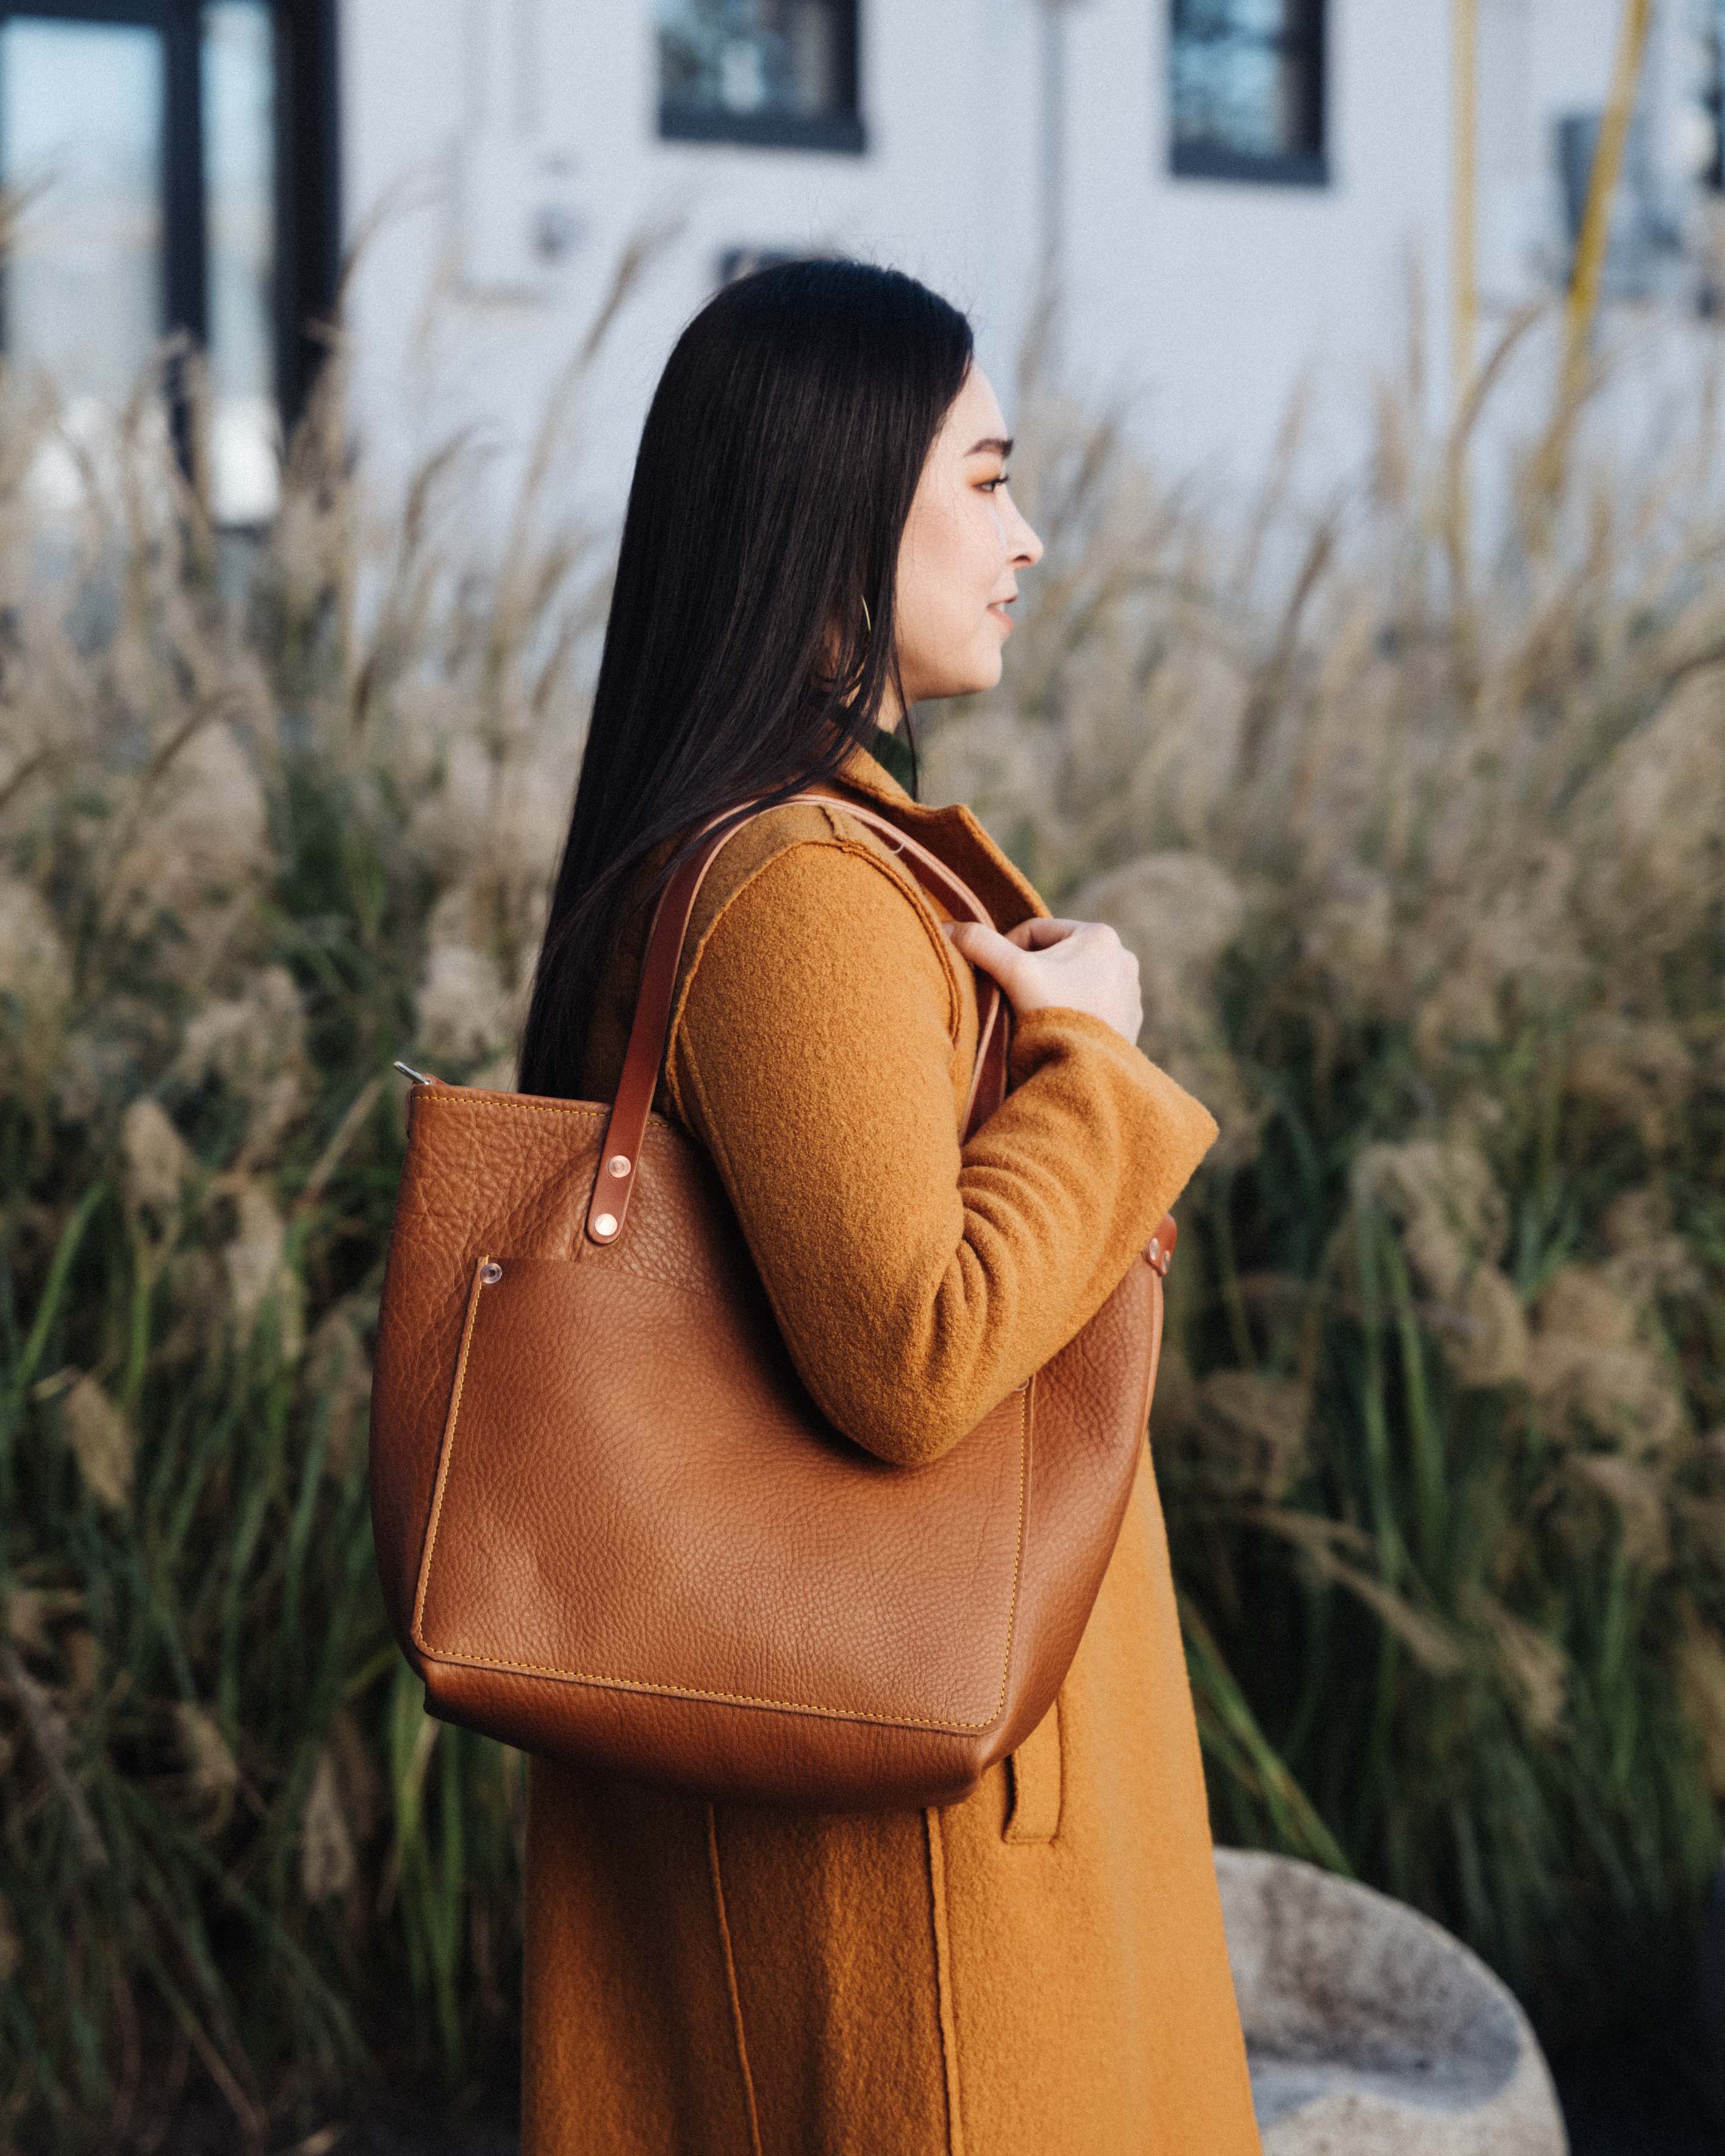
<point>839,844</point>
<point>750,2111</point>
<point>875,850</point>
<point>883,859</point>
<point>945,2003</point>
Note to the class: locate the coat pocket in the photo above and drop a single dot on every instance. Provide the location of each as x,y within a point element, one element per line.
<point>1036,1784</point>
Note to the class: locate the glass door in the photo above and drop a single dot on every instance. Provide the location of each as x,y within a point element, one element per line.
<point>144,151</point>
<point>82,156</point>
<point>238,70</point>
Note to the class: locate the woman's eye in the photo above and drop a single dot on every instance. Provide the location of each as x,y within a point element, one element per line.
<point>989,485</point>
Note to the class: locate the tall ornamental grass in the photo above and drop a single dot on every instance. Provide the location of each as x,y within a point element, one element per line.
<point>1422,858</point>
<point>272,815</point>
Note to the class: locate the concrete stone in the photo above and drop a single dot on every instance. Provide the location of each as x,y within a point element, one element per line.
<point>1370,2029</point>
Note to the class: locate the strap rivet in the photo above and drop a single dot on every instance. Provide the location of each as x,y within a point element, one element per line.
<point>605,1224</point>
<point>491,1274</point>
<point>618,1164</point>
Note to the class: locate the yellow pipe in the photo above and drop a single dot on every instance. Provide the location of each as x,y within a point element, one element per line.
<point>1582,306</point>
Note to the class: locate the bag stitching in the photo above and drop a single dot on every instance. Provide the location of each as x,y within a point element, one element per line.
<point>887,1718</point>
<point>446,1450</point>
<point>460,1096</point>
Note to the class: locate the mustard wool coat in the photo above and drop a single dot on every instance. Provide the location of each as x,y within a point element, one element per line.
<point>1038,1970</point>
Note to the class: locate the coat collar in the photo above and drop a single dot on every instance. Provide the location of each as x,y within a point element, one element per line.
<point>953,833</point>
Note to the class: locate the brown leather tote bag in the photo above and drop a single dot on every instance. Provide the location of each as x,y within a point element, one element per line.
<point>612,1527</point>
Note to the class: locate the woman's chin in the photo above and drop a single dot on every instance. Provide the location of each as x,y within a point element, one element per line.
<point>971,680</point>
<point>984,672</point>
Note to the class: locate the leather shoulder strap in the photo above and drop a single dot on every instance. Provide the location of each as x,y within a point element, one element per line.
<point>613,1180</point>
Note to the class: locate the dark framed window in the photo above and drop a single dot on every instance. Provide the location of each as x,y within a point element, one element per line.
<point>780,73</point>
<point>1644,237</point>
<point>1711,93</point>
<point>1246,91</point>
<point>177,162</point>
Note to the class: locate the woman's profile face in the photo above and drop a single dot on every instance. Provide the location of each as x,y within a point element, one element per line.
<point>964,543</point>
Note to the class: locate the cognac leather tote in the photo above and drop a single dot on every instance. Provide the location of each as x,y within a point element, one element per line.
<point>612,1525</point>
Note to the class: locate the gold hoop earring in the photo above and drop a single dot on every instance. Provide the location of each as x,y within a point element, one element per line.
<point>868,622</point>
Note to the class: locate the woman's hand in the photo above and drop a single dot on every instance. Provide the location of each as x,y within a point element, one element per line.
<point>1065,965</point>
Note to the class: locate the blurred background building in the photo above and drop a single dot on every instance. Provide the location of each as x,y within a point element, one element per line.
<point>1229,195</point>
<point>1423,867</point>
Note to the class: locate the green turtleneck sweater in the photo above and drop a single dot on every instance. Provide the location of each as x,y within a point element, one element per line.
<point>894,752</point>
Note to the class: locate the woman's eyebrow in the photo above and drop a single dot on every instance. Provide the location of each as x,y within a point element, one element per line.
<point>1001,445</point>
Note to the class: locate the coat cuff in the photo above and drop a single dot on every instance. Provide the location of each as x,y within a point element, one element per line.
<point>1175,1129</point>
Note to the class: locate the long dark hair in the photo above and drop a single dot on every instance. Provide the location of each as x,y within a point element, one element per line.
<point>776,471</point>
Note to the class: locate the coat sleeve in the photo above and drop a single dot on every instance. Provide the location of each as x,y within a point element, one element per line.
<point>916,1280</point>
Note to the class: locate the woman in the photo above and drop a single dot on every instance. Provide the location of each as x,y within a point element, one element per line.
<point>820,533</point>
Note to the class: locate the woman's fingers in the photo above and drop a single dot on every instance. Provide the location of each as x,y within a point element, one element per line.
<point>1040,931</point>
<point>986,947</point>
<point>1079,965</point>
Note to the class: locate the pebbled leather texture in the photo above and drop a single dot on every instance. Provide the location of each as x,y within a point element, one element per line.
<point>613,1528</point>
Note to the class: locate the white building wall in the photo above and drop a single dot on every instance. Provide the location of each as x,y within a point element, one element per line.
<point>1220,296</point>
<point>1213,299</point>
